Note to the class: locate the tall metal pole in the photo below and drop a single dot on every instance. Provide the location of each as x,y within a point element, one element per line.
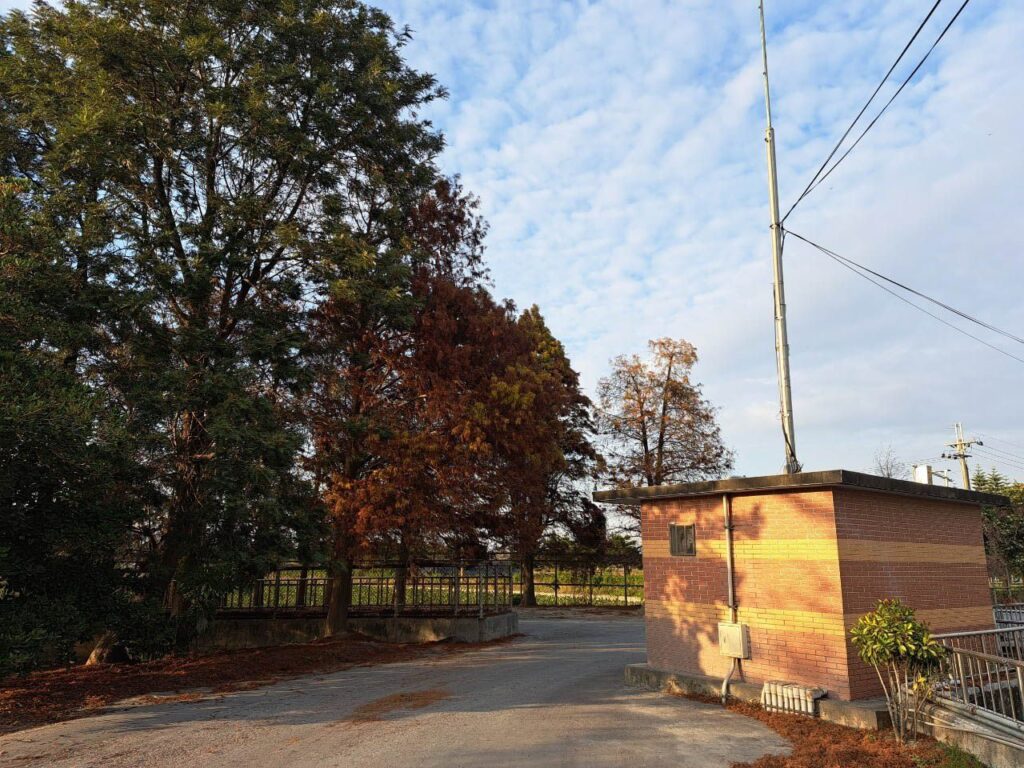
<point>781,337</point>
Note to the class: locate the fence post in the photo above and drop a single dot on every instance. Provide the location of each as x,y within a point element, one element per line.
<point>300,588</point>
<point>556,584</point>
<point>481,580</point>
<point>625,583</point>
<point>458,586</point>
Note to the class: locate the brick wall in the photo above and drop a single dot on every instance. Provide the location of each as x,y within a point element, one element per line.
<point>928,553</point>
<point>808,563</point>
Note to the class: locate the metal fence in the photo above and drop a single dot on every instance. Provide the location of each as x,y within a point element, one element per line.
<point>446,588</point>
<point>1009,616</point>
<point>1006,642</point>
<point>1006,591</point>
<point>584,583</point>
<point>983,674</point>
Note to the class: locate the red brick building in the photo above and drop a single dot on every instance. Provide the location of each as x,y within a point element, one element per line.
<point>812,553</point>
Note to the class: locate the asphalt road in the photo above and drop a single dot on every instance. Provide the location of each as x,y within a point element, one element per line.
<point>553,698</point>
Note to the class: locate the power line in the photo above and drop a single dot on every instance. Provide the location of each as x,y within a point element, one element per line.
<point>862,110</point>
<point>982,453</point>
<point>924,296</point>
<point>866,273</point>
<point>1011,456</point>
<point>1004,442</point>
<point>814,184</point>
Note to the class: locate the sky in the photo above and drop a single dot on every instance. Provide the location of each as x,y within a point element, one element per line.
<point>617,148</point>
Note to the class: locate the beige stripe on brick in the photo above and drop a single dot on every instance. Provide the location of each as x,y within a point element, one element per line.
<point>859,550</point>
<point>944,619</point>
<point>782,620</point>
<point>779,619</point>
<point>910,552</point>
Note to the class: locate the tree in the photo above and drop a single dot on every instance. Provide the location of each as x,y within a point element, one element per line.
<point>549,453</point>
<point>68,485</point>
<point>656,425</point>
<point>888,464</point>
<point>1003,526</point>
<point>383,364</point>
<point>220,164</point>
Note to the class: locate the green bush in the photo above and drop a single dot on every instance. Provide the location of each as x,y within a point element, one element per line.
<point>905,656</point>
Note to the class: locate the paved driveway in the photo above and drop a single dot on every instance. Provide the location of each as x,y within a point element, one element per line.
<point>553,698</point>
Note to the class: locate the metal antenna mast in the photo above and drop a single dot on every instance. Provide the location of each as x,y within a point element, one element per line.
<point>781,337</point>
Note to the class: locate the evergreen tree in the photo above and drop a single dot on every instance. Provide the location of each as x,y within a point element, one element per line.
<point>216,164</point>
<point>68,485</point>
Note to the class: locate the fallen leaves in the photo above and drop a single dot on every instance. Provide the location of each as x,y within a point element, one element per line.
<point>375,710</point>
<point>62,694</point>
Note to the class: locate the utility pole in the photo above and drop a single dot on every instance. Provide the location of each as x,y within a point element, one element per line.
<point>781,337</point>
<point>960,448</point>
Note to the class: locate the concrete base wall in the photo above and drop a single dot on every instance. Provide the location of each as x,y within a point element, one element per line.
<point>867,715</point>
<point>463,629</point>
<point>995,748</point>
<point>257,632</point>
<point>233,634</point>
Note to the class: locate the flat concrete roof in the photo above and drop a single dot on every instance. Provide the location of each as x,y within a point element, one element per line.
<point>832,478</point>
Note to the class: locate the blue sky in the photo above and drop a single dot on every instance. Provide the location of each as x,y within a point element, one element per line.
<point>617,148</point>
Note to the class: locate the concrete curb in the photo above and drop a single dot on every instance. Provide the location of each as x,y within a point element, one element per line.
<point>257,632</point>
<point>870,714</point>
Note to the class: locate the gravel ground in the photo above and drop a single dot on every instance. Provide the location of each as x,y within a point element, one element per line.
<point>555,697</point>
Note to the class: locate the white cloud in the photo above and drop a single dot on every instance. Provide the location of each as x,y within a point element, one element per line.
<point>618,149</point>
<point>617,146</point>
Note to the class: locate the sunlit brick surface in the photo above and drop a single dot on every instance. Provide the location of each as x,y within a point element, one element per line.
<point>808,564</point>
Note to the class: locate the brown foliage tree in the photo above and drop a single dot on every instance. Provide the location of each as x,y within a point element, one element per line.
<point>657,426</point>
<point>550,453</point>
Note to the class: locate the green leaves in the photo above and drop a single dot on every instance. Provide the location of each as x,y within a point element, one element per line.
<point>892,634</point>
<point>905,656</point>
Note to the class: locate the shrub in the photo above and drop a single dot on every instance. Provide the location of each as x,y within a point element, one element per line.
<point>905,656</point>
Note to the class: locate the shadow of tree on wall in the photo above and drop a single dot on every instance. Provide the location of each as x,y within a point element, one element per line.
<point>809,646</point>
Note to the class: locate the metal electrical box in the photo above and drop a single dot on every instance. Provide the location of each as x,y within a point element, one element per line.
<point>734,640</point>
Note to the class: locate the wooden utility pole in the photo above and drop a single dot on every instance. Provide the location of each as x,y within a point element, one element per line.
<point>781,336</point>
<point>960,448</point>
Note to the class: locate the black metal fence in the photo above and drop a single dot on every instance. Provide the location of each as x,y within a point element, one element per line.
<point>1003,593</point>
<point>584,583</point>
<point>382,588</point>
<point>445,587</point>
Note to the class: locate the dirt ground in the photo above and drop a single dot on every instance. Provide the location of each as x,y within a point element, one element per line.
<point>63,694</point>
<point>554,697</point>
<point>820,744</point>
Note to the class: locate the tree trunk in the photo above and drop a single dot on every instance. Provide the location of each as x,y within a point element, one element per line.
<point>529,588</point>
<point>107,651</point>
<point>340,598</point>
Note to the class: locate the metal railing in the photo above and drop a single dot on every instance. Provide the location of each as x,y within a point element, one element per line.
<point>1004,592</point>
<point>582,583</point>
<point>1005,642</point>
<point>984,686</point>
<point>447,588</point>
<point>1009,616</point>
<point>982,673</point>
